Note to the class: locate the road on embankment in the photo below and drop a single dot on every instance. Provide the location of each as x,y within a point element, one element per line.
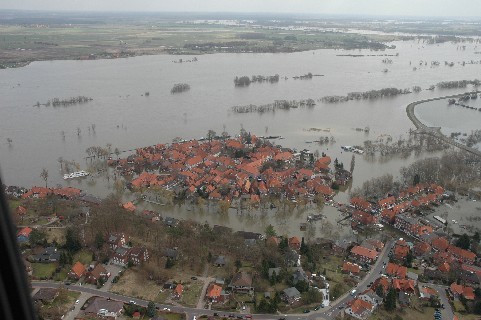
<point>435,131</point>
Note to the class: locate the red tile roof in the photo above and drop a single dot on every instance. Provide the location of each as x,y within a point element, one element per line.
<point>361,251</point>
<point>78,268</point>
<point>25,232</point>
<point>396,270</point>
<point>213,291</point>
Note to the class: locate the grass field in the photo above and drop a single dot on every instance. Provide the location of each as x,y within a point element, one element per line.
<point>134,284</point>
<point>192,293</point>
<point>43,270</point>
<point>24,43</point>
<point>84,256</point>
<point>62,275</point>
<point>404,313</point>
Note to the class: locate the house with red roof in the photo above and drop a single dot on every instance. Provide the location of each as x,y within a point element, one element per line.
<point>214,293</point>
<point>462,254</point>
<point>129,206</point>
<point>363,218</point>
<point>401,250</point>
<point>404,285</point>
<point>363,255</point>
<point>396,271</point>
<point>294,243</point>
<point>388,216</point>
<point>361,204</point>
<point>21,210</point>
<point>440,244</point>
<point>387,203</point>
<point>350,268</point>
<point>458,290</point>
<point>178,291</point>
<point>77,271</point>
<point>24,234</point>
<point>421,249</point>
<point>359,309</point>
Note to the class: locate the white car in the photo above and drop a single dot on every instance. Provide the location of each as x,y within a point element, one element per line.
<point>77,302</point>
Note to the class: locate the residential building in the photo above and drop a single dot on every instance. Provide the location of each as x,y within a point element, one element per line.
<point>241,283</point>
<point>351,268</point>
<point>213,292</point>
<point>291,295</point>
<point>359,309</point>
<point>396,271</point>
<point>116,240</point>
<point>98,273</point>
<point>105,308</point>
<point>24,234</point>
<point>78,270</point>
<point>363,255</point>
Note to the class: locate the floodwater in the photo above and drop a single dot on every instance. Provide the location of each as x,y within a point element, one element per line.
<point>127,119</point>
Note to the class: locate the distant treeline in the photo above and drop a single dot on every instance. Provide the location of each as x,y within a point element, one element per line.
<point>372,94</point>
<point>245,80</point>
<point>457,84</point>
<point>277,105</point>
<point>57,102</point>
<point>180,87</point>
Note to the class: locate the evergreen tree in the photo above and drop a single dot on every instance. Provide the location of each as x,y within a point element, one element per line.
<point>463,242</point>
<point>390,300</point>
<point>150,309</point>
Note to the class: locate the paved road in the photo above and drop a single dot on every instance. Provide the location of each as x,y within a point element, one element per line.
<point>446,313</point>
<point>321,314</point>
<point>373,274</point>
<point>435,131</point>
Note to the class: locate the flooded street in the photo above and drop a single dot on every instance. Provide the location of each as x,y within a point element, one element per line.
<point>125,117</point>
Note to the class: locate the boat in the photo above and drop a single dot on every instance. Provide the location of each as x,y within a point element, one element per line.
<point>77,174</point>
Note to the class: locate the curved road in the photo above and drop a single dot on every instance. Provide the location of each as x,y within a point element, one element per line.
<point>327,313</point>
<point>435,131</point>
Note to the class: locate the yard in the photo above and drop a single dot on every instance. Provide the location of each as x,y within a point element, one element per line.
<point>43,270</point>
<point>84,256</point>
<point>133,283</point>
<point>192,293</point>
<point>60,276</point>
<point>404,313</point>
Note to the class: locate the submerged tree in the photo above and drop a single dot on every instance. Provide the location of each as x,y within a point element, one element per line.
<point>44,176</point>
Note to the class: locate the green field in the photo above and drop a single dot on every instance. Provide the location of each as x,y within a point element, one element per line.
<point>43,270</point>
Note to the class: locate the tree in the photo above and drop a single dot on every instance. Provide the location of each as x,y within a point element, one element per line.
<point>72,241</point>
<point>380,291</point>
<point>390,300</point>
<point>36,237</point>
<point>476,237</point>
<point>150,309</point>
<point>211,134</point>
<point>416,179</point>
<point>169,263</point>
<point>238,264</point>
<point>44,176</point>
<point>99,240</point>
<point>270,231</point>
<point>312,296</point>
<point>463,242</point>
<point>409,259</point>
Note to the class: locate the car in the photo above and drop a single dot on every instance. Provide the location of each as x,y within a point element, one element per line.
<point>77,301</point>
<point>282,319</point>
<point>240,317</point>
<point>248,316</point>
<point>193,278</point>
<point>132,302</point>
<point>67,283</point>
<point>369,285</point>
<point>340,307</point>
<point>353,292</point>
<point>306,311</point>
<point>216,314</point>
<point>231,315</point>
<point>317,308</point>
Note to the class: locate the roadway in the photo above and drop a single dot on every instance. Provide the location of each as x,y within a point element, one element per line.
<point>376,270</point>
<point>327,313</point>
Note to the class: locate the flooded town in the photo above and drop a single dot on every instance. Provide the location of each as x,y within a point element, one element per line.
<point>160,165</point>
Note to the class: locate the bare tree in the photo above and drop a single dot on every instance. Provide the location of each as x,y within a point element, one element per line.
<point>44,176</point>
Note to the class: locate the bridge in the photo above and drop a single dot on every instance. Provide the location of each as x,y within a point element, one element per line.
<point>421,128</point>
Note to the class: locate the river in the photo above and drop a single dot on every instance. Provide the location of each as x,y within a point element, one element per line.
<point>127,119</point>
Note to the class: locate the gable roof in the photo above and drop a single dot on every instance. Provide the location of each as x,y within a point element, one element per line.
<point>213,291</point>
<point>78,268</point>
<point>25,232</point>
<point>361,251</point>
<point>241,279</point>
<point>393,269</point>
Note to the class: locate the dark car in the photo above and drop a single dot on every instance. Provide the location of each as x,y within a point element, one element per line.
<point>193,278</point>
<point>340,307</point>
<point>306,311</point>
<point>317,308</point>
<point>216,314</point>
<point>231,315</point>
<point>240,317</point>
